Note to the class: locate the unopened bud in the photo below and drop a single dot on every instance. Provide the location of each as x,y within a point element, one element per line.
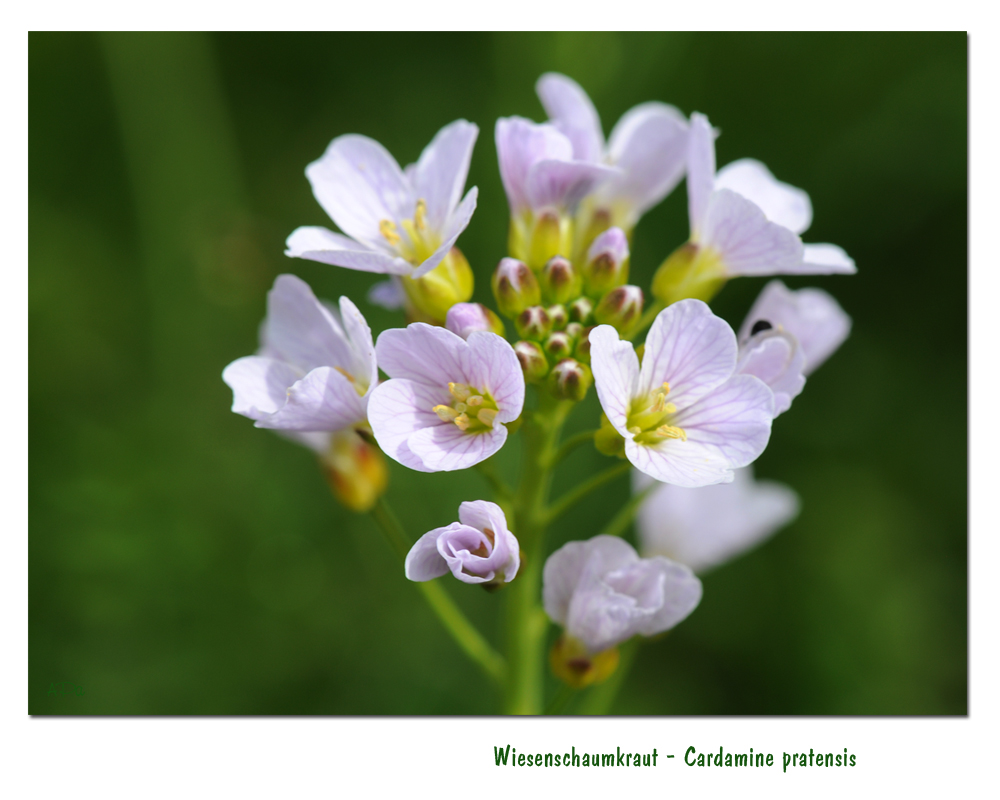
<point>560,281</point>
<point>689,272</point>
<point>598,222</point>
<point>581,310</point>
<point>569,380</point>
<point>551,235</point>
<point>532,359</point>
<point>559,316</point>
<point>582,351</point>
<point>621,308</point>
<point>466,318</point>
<point>607,263</point>
<point>515,287</point>
<point>574,665</point>
<point>450,282</point>
<point>533,323</point>
<point>607,440</point>
<point>575,330</point>
<point>355,469</point>
<point>558,346</point>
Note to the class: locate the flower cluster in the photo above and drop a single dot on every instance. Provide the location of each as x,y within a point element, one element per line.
<point>690,409</point>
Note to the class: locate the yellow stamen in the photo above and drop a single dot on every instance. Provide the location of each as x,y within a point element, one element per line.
<point>635,429</point>
<point>486,416</point>
<point>345,373</point>
<point>669,408</point>
<point>460,391</point>
<point>671,432</point>
<point>420,215</point>
<point>445,413</point>
<point>475,400</point>
<point>463,421</point>
<point>461,408</point>
<point>657,406</point>
<point>666,388</point>
<point>388,229</point>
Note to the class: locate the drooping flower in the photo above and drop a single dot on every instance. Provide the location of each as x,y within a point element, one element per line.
<point>544,184</point>
<point>706,527</point>
<point>316,367</point>
<point>476,549</point>
<point>602,593</point>
<point>648,145</point>
<point>685,416</point>
<point>743,222</point>
<point>396,222</point>
<point>787,335</point>
<point>448,398</point>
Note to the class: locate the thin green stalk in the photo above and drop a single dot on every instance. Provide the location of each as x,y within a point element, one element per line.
<point>620,521</point>
<point>570,444</point>
<point>557,705</point>
<point>573,496</point>
<point>455,622</point>
<point>497,484</point>
<point>601,697</point>
<point>645,320</point>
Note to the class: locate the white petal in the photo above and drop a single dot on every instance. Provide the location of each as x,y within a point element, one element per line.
<point>691,349</point>
<point>680,595</point>
<point>492,365</point>
<point>482,514</point>
<point>327,247</point>
<point>748,244</point>
<point>782,203</point>
<point>457,223</point>
<point>522,143</point>
<point>700,170</point>
<point>445,448</point>
<point>826,259</point>
<point>259,385</point>
<point>397,409</point>
<point>777,359</point>
<point>359,184</point>
<point>564,184</point>
<point>570,110</point>
<point>439,176</point>
<point>616,374</point>
<point>324,400</point>
<point>422,352</point>
<point>680,463</point>
<point>424,562</point>
<point>387,294</point>
<point>564,570</point>
<point>363,367</point>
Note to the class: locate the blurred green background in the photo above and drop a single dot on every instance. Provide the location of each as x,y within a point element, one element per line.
<point>182,562</point>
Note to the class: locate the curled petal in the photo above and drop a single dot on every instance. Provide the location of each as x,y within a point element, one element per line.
<point>424,562</point>
<point>565,570</point>
<point>781,203</point>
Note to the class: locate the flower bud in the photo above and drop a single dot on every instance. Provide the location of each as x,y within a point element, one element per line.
<point>581,310</point>
<point>569,380</point>
<point>558,346</point>
<point>533,323</point>
<point>533,362</point>
<point>551,235</point>
<point>607,440</point>
<point>621,308</point>
<point>689,272</point>
<point>465,318</point>
<point>560,282</point>
<point>429,298</point>
<point>575,330</point>
<point>515,287</point>
<point>559,316</point>
<point>574,665</point>
<point>355,470</point>
<point>607,263</point>
<point>583,345</point>
<point>593,226</point>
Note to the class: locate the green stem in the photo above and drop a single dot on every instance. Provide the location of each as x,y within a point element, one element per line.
<point>620,521</point>
<point>570,444</point>
<point>646,320</point>
<point>558,703</point>
<point>601,697</point>
<point>573,496</point>
<point>497,484</point>
<point>525,620</point>
<point>455,622</point>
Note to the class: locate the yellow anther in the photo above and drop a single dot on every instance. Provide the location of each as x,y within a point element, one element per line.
<point>420,215</point>
<point>388,229</point>
<point>666,388</point>
<point>671,432</point>
<point>445,413</point>
<point>463,421</point>
<point>669,408</point>
<point>460,391</point>
<point>635,429</point>
<point>475,400</point>
<point>486,416</point>
<point>657,406</point>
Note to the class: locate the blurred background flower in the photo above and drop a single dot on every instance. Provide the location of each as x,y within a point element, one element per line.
<point>182,562</point>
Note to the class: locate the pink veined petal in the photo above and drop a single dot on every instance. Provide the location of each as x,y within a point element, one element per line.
<point>445,448</point>
<point>299,329</point>
<point>359,184</point>
<point>564,184</point>
<point>733,421</point>
<point>691,349</point>
<point>681,463</point>
<point>776,358</point>
<point>422,352</point>
<point>319,244</point>
<point>812,316</point>
<point>747,242</point>
<point>826,259</point>
<point>387,294</point>
<point>649,144</point>
<point>324,400</point>
<point>458,222</point>
<point>616,374</point>
<point>482,514</point>
<point>259,385</point>
<point>359,335</point>
<point>700,170</point>
<point>439,176</point>
<point>680,593</point>
<point>397,409</point>
<point>570,110</point>
<point>522,143</point>
<point>424,562</point>
<point>781,203</point>
<point>564,570</point>
<point>492,365</point>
